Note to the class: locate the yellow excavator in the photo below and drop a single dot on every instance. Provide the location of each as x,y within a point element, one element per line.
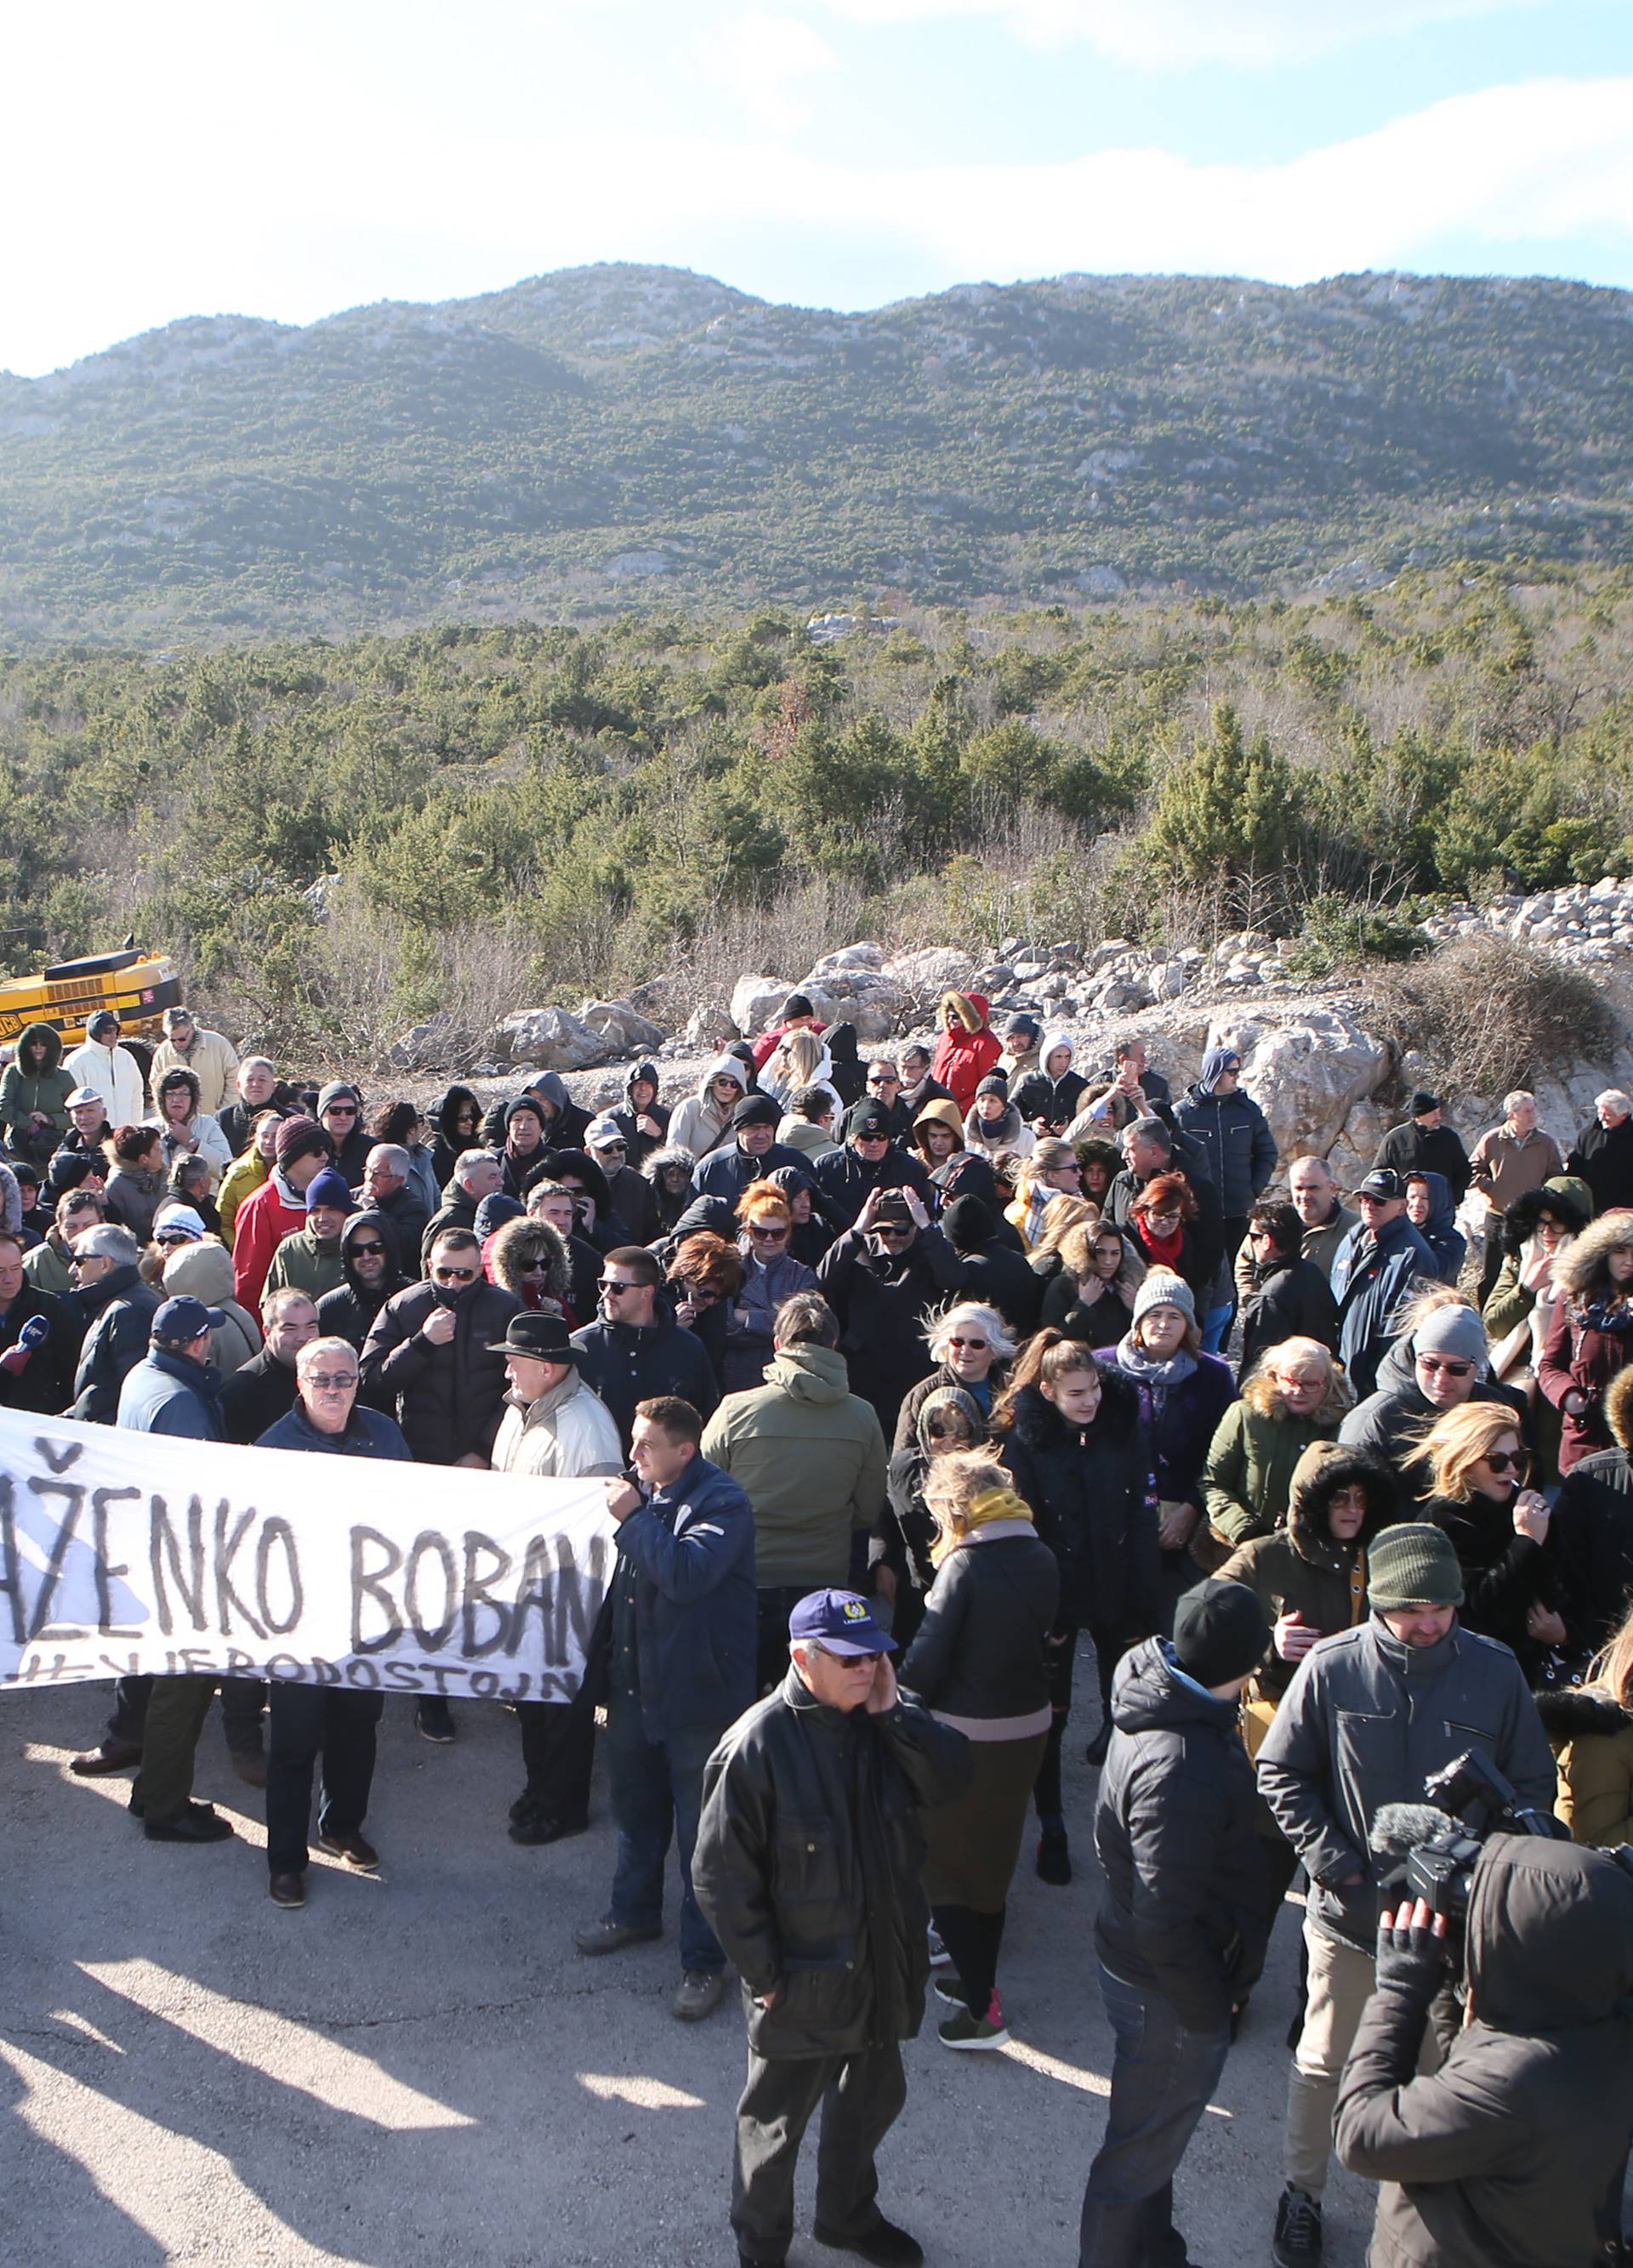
<point>137,985</point>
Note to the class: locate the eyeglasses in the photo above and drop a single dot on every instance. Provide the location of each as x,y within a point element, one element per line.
<point>883,1078</point>
<point>1505,1460</point>
<point>332,1382</point>
<point>612,1287</point>
<point>724,1081</point>
<point>173,1236</point>
<point>1161,1219</point>
<point>1435,1363</point>
<point>699,1295</point>
<point>613,1149</point>
<point>341,1110</point>
<point>895,1229</point>
<point>977,1346</point>
<point>359,1250</point>
<point>768,1231</point>
<point>453,1275</point>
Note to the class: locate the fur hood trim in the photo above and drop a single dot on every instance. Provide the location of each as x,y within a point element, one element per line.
<point>1575,1269</point>
<point>1577,1712</point>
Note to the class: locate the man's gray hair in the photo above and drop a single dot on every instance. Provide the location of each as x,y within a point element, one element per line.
<point>467,1159</point>
<point>1617,1099</point>
<point>1519,1094</point>
<point>1310,1157</point>
<point>1154,1130</point>
<point>316,1350</point>
<point>109,1239</point>
<point>392,1156</point>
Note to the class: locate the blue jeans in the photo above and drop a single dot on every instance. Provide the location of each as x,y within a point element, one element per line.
<point>657,1793</point>
<point>1161,2076</point>
<point>1217,1327</point>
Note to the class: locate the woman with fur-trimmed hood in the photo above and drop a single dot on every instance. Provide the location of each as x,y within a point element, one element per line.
<point>966,1049</point>
<point>703,1122</point>
<point>1592,1335</point>
<point>529,1259</point>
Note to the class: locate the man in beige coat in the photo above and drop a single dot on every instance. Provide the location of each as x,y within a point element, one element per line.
<point>555,1427</point>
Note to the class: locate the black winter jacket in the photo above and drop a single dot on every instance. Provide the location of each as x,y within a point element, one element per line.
<point>882,1301</point>
<point>845,1181</point>
<point>979,1650</point>
<point>348,1312</point>
<point>1414,1149</point>
<point>1498,2158</point>
<point>1093,1495</point>
<point>1235,1135</point>
<point>46,1382</point>
<point>448,1400</point>
<point>1293,1300</point>
<point>255,1395</point>
<point>627,1362</point>
<point>809,1866</point>
<point>121,1308</point>
<point>1176,1828</point>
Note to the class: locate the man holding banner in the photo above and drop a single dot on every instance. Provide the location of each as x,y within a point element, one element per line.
<point>339,1719</point>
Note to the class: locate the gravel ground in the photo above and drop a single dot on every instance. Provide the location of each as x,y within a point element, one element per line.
<point>418,2070</point>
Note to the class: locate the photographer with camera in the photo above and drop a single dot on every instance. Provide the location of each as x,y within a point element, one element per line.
<point>1501,2154</point>
<point>1371,1713</point>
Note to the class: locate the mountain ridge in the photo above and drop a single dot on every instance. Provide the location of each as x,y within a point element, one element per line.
<point>590,435</point>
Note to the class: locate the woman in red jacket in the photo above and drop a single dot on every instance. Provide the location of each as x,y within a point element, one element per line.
<point>966,1050</point>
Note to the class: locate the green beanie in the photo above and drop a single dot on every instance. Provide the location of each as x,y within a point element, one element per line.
<point>1413,1566</point>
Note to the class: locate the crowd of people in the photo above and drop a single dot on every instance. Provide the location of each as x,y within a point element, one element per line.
<point>902,1376</point>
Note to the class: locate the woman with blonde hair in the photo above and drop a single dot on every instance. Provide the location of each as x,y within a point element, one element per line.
<point>978,1663</point>
<point>899,1551</point>
<point>1051,1171</point>
<point>1500,1528</point>
<point>1295,1397</point>
<point>798,1059</point>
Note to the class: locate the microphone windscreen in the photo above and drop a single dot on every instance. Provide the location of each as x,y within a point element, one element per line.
<point>1398,1827</point>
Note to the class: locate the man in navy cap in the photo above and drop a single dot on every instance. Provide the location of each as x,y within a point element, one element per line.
<point>808,1865</point>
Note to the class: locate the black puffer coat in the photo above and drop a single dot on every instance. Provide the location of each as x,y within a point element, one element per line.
<point>809,1866</point>
<point>1093,1495</point>
<point>1183,1910</point>
<point>448,1400</point>
<point>882,1301</point>
<point>120,1310</point>
<point>979,1650</point>
<point>1498,2158</point>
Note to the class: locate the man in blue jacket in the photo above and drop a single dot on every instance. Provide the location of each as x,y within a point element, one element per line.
<point>341,1720</point>
<point>1373,1272</point>
<point>682,1671</point>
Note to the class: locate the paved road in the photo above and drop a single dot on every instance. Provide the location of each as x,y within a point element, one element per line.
<point>419,2072</point>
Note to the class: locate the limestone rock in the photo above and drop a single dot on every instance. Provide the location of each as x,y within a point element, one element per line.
<point>757,1001</point>
<point>1307,1074</point>
<point>550,1039</point>
<point>710,1028</point>
<point>848,957</point>
<point>924,976</point>
<point>622,1023</point>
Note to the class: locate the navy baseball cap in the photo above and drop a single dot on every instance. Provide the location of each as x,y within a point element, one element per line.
<point>839,1622</point>
<point>185,1318</point>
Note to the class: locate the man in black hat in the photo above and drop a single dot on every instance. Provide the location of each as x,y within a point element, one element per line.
<point>1182,1927</point>
<point>1423,1144</point>
<point>870,1160</point>
<point>882,1279</point>
<point>809,1864</point>
<point>753,1151</point>
<point>339,1719</point>
<point>682,1613</point>
<point>555,1427</point>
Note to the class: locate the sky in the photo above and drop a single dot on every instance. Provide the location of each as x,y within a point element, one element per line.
<point>287,159</point>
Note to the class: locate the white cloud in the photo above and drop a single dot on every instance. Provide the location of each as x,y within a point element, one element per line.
<point>1168,33</point>
<point>1521,169</point>
<point>761,59</point>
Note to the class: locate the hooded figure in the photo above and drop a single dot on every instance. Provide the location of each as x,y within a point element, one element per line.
<point>644,1124</point>
<point>1234,1134</point>
<point>349,1310</point>
<point>1567,1205</point>
<point>204,1272</point>
<point>966,1049</point>
<point>608,1229</point>
<point>1302,1569</point>
<point>455,1105</point>
<point>33,1094</point>
<point>1503,2154</point>
<point>1439,1228</point>
<point>1003,1130</point>
<point>670,1170</point>
<point>845,1069</point>
<point>1592,1336</point>
<point>703,1122</point>
<point>1049,1098</point>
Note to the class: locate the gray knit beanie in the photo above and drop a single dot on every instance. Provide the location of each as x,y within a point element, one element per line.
<point>1162,1288</point>
<point>1413,1566</point>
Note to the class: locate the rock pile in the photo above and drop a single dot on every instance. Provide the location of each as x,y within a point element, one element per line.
<point>1594,921</point>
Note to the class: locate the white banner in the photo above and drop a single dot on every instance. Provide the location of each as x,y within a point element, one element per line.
<point>128,1553</point>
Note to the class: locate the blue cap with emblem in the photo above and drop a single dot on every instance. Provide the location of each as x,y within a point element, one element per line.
<point>840,1623</point>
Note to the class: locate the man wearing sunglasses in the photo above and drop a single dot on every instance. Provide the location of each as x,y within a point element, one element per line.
<point>368,1257</point>
<point>340,1114</point>
<point>871,1159</point>
<point>429,1360</point>
<point>882,1279</point>
<point>1444,1365</point>
<point>635,1350</point>
<point>338,1719</point>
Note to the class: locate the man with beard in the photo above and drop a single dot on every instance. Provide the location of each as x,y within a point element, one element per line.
<point>368,1254</point>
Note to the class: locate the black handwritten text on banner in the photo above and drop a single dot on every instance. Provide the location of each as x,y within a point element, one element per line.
<point>123,1554</point>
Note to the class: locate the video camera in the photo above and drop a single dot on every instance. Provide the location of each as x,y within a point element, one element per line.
<point>1438,1843</point>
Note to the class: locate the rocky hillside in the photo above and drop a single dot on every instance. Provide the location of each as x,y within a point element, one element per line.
<point>1326,1080</point>
<point>617,430</point>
